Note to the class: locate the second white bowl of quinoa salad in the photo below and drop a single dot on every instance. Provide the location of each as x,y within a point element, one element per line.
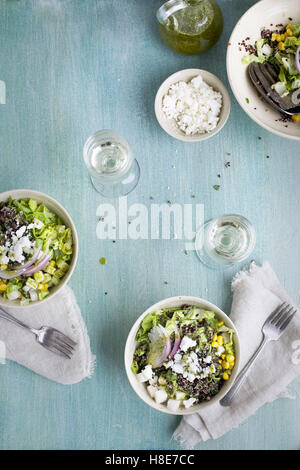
<point>192,105</point>
<point>182,355</point>
<point>38,247</point>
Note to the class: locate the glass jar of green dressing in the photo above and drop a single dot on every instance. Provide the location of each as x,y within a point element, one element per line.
<point>190,26</point>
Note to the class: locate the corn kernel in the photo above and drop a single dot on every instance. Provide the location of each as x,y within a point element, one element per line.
<point>52,263</point>
<point>289,26</point>
<point>225,365</point>
<point>41,287</point>
<point>274,35</point>
<point>3,286</point>
<point>229,358</point>
<point>278,37</point>
<point>220,340</point>
<point>223,356</point>
<point>231,365</point>
<point>281,46</point>
<point>289,33</point>
<point>3,267</point>
<point>225,376</point>
<point>220,361</point>
<point>214,344</point>
<point>296,117</point>
<point>221,323</point>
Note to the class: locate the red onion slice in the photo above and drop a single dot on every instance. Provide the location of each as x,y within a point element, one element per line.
<point>176,343</point>
<point>30,262</point>
<point>297,59</point>
<point>42,264</point>
<point>8,274</point>
<point>166,352</point>
<point>18,272</point>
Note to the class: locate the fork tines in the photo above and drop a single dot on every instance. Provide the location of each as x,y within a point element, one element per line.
<point>282,316</point>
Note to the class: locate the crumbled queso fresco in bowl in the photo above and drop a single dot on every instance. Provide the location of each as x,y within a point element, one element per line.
<point>183,355</point>
<point>195,106</point>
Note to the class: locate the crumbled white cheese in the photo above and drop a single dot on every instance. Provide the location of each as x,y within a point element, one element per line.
<point>146,374</point>
<point>207,359</point>
<point>141,378</point>
<point>188,403</point>
<point>195,106</point>
<point>16,250</point>
<point>177,368</point>
<point>153,380</point>
<point>160,396</point>
<point>20,232</point>
<point>38,224</point>
<point>151,390</point>
<point>179,395</point>
<point>173,405</point>
<point>187,343</point>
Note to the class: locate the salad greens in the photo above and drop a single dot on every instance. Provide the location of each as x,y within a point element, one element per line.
<point>30,231</point>
<point>279,49</point>
<point>183,355</point>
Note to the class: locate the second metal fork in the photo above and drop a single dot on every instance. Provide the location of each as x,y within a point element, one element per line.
<point>272,329</point>
<point>48,337</point>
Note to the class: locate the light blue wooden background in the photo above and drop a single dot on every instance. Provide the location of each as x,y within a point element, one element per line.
<point>75,66</point>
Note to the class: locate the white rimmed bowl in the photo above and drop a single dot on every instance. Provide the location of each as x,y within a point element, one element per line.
<point>169,125</point>
<point>140,388</point>
<point>58,209</point>
<point>262,14</point>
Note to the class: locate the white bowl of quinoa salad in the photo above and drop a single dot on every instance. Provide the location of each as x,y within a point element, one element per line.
<point>38,248</point>
<point>182,355</point>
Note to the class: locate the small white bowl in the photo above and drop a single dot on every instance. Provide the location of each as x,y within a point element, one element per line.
<point>55,207</point>
<point>140,388</point>
<point>262,14</point>
<point>169,125</point>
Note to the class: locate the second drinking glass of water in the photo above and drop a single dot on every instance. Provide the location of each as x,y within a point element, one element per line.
<point>225,241</point>
<point>112,167</point>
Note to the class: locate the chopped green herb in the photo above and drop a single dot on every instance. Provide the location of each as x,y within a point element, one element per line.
<point>102,260</point>
<point>216,187</point>
<point>247,100</point>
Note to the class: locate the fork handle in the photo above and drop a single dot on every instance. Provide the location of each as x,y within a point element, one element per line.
<point>228,398</point>
<point>14,320</point>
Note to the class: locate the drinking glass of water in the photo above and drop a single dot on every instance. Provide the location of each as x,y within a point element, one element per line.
<point>110,162</point>
<point>225,241</point>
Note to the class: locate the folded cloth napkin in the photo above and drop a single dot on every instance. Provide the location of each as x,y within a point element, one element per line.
<point>62,313</point>
<point>256,293</point>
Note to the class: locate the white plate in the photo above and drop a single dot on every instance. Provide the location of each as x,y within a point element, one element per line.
<point>261,15</point>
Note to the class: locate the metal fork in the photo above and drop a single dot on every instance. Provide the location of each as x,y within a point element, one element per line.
<point>48,337</point>
<point>272,329</point>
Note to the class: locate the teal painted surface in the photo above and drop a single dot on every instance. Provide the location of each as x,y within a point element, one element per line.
<point>72,67</point>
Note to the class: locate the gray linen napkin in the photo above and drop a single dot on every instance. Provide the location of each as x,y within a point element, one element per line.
<point>62,313</point>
